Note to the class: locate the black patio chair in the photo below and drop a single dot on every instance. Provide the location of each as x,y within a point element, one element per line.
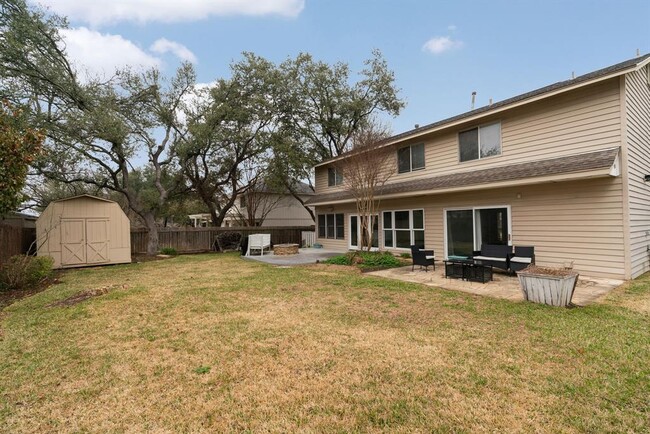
<point>423,258</point>
<point>523,257</point>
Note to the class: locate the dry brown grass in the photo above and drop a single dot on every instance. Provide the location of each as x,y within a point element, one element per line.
<point>212,343</point>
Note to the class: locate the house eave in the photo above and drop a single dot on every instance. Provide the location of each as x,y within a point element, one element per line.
<point>575,176</point>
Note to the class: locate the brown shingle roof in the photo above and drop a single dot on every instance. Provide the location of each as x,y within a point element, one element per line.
<point>513,172</point>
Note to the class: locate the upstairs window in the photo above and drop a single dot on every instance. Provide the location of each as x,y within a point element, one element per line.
<point>334,177</point>
<point>480,142</point>
<point>410,158</point>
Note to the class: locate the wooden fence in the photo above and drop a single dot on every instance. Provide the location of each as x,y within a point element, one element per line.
<point>14,241</point>
<point>192,240</point>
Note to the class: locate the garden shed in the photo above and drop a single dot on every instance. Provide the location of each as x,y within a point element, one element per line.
<point>84,231</point>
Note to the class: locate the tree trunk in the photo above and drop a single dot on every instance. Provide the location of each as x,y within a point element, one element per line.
<point>152,244</point>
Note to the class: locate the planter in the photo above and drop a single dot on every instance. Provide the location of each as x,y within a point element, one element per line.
<point>547,286</point>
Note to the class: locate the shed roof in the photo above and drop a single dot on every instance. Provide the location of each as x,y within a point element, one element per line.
<point>89,196</point>
<point>575,163</point>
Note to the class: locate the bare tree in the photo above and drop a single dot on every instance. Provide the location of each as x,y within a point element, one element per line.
<point>365,171</point>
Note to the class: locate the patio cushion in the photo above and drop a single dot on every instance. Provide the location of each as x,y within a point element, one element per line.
<point>431,257</point>
<point>521,260</point>
<point>489,258</point>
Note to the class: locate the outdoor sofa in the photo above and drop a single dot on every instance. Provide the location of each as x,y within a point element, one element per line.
<point>498,256</point>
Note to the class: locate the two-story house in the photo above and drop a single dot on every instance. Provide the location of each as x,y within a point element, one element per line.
<point>564,168</point>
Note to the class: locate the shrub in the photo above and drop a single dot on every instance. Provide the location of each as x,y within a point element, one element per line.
<point>21,272</point>
<point>338,260</point>
<point>169,251</point>
<point>366,259</point>
<point>228,240</point>
<point>405,255</point>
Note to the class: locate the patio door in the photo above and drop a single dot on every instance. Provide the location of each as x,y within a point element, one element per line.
<point>358,237</point>
<point>469,228</point>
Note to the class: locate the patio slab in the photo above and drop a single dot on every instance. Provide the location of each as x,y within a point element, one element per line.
<point>304,256</point>
<point>588,290</point>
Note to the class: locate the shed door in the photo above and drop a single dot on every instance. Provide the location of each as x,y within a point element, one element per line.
<point>97,241</point>
<point>73,241</point>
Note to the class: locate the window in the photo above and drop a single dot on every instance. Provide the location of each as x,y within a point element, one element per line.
<point>334,177</point>
<point>402,229</point>
<point>331,226</point>
<point>480,142</point>
<point>242,202</point>
<point>410,158</point>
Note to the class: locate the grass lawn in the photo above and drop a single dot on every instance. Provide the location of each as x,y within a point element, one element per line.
<point>215,343</point>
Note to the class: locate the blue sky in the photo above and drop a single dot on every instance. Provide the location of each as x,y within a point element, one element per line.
<point>497,48</point>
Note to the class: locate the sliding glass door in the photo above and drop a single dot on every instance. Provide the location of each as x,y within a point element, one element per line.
<point>467,229</point>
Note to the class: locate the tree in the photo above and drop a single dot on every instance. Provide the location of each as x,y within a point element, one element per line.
<point>365,170</point>
<point>259,200</point>
<point>19,146</point>
<point>322,110</point>
<point>231,130</point>
<point>97,131</point>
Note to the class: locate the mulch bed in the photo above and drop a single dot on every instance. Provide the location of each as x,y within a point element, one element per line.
<point>559,272</point>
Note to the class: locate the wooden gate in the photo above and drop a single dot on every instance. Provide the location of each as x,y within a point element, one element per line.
<point>96,241</point>
<point>73,241</point>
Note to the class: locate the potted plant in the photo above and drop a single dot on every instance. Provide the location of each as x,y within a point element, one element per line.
<point>552,286</point>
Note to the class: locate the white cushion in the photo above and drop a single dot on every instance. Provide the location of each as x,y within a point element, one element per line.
<point>431,257</point>
<point>521,260</point>
<point>489,258</point>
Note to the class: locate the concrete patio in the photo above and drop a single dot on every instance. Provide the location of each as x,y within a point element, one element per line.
<point>588,290</point>
<point>304,256</point>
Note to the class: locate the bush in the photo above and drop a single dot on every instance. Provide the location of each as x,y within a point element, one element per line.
<point>228,240</point>
<point>21,271</point>
<point>405,255</point>
<point>168,251</point>
<point>366,260</point>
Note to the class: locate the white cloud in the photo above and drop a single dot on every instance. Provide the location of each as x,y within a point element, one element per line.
<point>441,44</point>
<point>100,54</point>
<point>164,45</point>
<point>111,11</point>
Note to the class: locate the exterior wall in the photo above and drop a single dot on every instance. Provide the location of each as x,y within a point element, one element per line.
<point>583,120</point>
<point>48,227</point>
<point>579,221</point>
<point>288,212</point>
<point>637,111</point>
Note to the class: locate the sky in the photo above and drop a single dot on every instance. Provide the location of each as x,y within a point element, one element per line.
<point>440,51</point>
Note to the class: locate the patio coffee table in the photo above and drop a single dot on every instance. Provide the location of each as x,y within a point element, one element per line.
<point>466,269</point>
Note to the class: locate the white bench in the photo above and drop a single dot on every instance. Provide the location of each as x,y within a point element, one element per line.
<point>258,242</point>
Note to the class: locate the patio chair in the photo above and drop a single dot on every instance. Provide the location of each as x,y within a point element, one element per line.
<point>423,258</point>
<point>496,255</point>
<point>258,242</point>
<point>523,257</point>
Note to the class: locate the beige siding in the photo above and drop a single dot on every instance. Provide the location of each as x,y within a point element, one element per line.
<point>583,120</point>
<point>84,209</point>
<point>288,212</point>
<point>637,102</point>
<point>579,221</point>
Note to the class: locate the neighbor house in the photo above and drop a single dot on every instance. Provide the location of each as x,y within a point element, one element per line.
<point>265,207</point>
<point>564,168</point>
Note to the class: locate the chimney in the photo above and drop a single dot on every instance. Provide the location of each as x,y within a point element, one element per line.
<point>473,99</point>
<point>490,101</point>
<point>573,75</point>
<point>638,53</point>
